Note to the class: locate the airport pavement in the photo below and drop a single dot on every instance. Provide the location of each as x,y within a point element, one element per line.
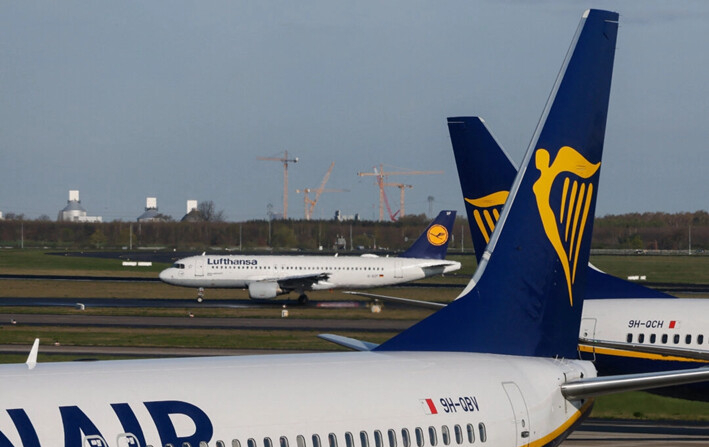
<point>329,324</point>
<point>618,433</point>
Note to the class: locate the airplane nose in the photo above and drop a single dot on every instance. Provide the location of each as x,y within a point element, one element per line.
<point>163,275</point>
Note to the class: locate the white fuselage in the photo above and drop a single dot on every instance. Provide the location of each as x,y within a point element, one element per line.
<point>498,400</point>
<point>670,323</point>
<point>237,271</point>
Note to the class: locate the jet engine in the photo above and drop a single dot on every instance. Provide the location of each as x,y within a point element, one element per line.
<point>263,290</point>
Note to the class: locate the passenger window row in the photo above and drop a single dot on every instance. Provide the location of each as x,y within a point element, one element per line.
<point>665,339</point>
<point>421,438</point>
<point>268,267</point>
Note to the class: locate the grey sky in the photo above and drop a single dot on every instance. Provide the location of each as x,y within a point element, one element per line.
<point>175,99</point>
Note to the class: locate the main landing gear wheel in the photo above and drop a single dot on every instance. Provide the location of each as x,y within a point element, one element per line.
<point>200,295</point>
<point>303,299</point>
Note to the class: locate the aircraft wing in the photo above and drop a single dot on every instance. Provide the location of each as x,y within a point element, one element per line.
<point>347,342</point>
<point>668,351</point>
<point>299,281</point>
<point>396,299</point>
<point>598,386</point>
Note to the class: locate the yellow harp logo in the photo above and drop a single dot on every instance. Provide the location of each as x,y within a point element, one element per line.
<point>437,235</point>
<point>565,231</point>
<point>487,211</point>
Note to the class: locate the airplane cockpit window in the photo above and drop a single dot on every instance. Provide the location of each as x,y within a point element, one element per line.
<point>332,440</point>
<point>177,265</point>
<point>419,437</point>
<point>283,441</point>
<point>445,435</point>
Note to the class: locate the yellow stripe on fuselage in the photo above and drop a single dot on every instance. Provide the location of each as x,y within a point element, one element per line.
<point>637,355</point>
<point>563,427</point>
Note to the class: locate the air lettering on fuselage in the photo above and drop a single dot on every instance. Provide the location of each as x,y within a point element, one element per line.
<point>77,424</point>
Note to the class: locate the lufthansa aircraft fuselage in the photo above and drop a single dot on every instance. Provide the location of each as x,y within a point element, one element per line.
<point>342,271</point>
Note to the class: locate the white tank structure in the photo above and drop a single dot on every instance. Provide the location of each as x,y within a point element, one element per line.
<point>193,215</point>
<point>74,212</point>
<point>151,213</point>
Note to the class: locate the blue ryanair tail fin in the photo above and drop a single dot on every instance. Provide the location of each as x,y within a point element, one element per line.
<point>527,293</point>
<point>433,242</point>
<point>486,173</point>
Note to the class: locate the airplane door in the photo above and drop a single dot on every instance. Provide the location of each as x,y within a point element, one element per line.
<point>199,267</point>
<point>519,409</point>
<point>588,331</point>
<point>397,269</point>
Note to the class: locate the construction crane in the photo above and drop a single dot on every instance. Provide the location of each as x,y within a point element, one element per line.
<point>310,203</point>
<point>285,160</point>
<point>382,177</point>
<point>402,187</point>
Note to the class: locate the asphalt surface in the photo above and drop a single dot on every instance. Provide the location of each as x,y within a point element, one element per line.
<point>619,433</point>
<point>81,320</point>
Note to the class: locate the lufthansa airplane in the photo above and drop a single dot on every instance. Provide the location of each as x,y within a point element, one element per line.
<point>626,328</point>
<point>495,367</point>
<point>269,276</point>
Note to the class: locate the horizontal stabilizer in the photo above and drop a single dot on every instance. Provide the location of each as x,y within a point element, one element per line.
<point>599,386</point>
<point>347,342</point>
<point>396,299</point>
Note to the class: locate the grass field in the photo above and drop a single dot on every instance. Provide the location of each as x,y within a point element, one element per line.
<point>681,269</point>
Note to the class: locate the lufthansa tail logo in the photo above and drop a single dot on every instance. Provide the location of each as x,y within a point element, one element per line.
<point>437,235</point>
<point>487,211</point>
<point>565,229</point>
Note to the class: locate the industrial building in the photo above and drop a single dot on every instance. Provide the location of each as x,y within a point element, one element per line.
<point>74,212</point>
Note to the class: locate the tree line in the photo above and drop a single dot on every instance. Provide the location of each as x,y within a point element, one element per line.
<point>646,231</point>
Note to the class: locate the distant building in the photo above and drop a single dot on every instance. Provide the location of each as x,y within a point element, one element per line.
<point>1,216</point>
<point>342,218</point>
<point>151,213</point>
<point>74,212</point>
<point>193,214</point>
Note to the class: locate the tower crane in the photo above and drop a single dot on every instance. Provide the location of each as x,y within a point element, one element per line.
<point>285,160</point>
<point>402,187</point>
<point>382,177</point>
<point>310,203</point>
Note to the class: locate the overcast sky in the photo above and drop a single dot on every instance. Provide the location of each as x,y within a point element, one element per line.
<point>176,100</point>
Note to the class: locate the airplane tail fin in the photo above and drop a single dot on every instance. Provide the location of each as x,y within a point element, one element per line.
<point>527,293</point>
<point>433,242</point>
<point>485,172</point>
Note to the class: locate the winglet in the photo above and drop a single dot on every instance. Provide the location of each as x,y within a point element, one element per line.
<point>32,358</point>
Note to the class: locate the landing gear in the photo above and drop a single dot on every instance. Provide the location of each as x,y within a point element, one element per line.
<point>200,294</point>
<point>303,299</point>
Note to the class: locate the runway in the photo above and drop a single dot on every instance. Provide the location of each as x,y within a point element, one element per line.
<point>329,324</point>
<point>625,433</point>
